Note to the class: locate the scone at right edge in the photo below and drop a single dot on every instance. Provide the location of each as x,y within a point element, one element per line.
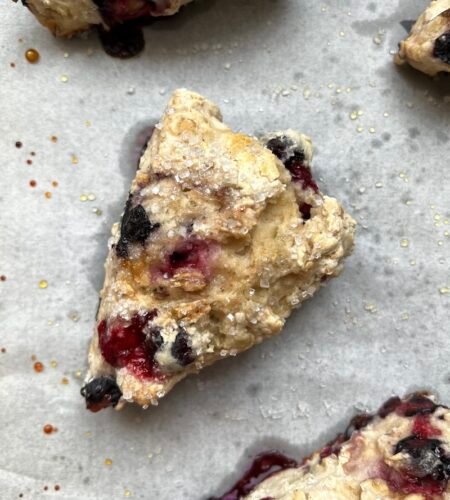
<point>427,47</point>
<point>223,235</point>
<point>400,453</point>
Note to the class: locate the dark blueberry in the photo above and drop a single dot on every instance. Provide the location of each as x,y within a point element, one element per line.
<point>100,393</point>
<point>122,40</point>
<point>181,350</point>
<point>294,160</point>
<point>357,423</point>
<point>155,337</point>
<point>280,146</point>
<point>442,48</point>
<point>135,227</point>
<point>427,457</point>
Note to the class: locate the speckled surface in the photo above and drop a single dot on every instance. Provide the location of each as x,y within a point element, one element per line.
<point>381,328</point>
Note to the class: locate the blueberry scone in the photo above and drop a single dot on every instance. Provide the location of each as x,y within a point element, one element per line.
<point>427,47</point>
<point>68,17</point>
<point>221,237</point>
<point>402,452</point>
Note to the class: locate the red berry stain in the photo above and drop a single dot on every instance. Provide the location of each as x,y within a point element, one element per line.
<point>305,210</point>
<point>423,428</point>
<point>120,11</point>
<point>124,344</point>
<point>302,174</point>
<point>413,405</point>
<point>333,447</point>
<point>263,466</point>
<point>401,482</point>
<point>191,253</point>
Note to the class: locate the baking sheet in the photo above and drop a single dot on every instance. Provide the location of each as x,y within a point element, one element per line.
<point>380,329</point>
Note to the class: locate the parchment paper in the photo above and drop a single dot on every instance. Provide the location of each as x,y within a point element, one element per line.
<point>381,328</point>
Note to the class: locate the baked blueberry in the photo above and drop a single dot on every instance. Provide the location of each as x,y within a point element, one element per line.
<point>181,348</point>
<point>100,393</point>
<point>442,48</point>
<point>135,227</point>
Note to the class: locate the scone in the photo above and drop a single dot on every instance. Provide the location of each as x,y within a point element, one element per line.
<point>68,17</point>
<point>402,452</point>
<point>427,47</point>
<point>221,237</point>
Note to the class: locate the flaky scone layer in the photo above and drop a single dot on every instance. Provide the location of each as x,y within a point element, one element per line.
<point>229,254</point>
<point>427,47</point>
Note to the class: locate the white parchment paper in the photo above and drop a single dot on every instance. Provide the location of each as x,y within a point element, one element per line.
<point>381,328</point>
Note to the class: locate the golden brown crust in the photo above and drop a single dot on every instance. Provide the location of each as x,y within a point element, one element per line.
<point>198,179</point>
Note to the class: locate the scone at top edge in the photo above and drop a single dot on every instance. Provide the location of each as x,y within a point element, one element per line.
<point>427,48</point>
<point>68,17</point>
<point>222,236</point>
<point>400,453</point>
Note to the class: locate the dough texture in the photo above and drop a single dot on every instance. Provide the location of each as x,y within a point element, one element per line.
<point>427,47</point>
<point>219,242</point>
<point>403,454</point>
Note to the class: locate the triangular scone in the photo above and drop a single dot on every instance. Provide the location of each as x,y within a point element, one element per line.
<point>400,453</point>
<point>427,47</point>
<point>68,17</point>
<point>218,243</point>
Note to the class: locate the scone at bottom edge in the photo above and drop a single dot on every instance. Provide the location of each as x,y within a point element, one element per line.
<point>401,453</point>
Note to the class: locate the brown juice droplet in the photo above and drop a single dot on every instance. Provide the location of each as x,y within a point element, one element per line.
<point>2,277</point>
<point>29,162</point>
<point>57,487</point>
<point>48,429</point>
<point>32,56</point>
<point>18,144</point>
<point>38,367</point>
<point>33,183</point>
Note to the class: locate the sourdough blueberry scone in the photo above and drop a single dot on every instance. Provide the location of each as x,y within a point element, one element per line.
<point>402,452</point>
<point>427,47</point>
<point>68,17</point>
<point>221,237</point>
